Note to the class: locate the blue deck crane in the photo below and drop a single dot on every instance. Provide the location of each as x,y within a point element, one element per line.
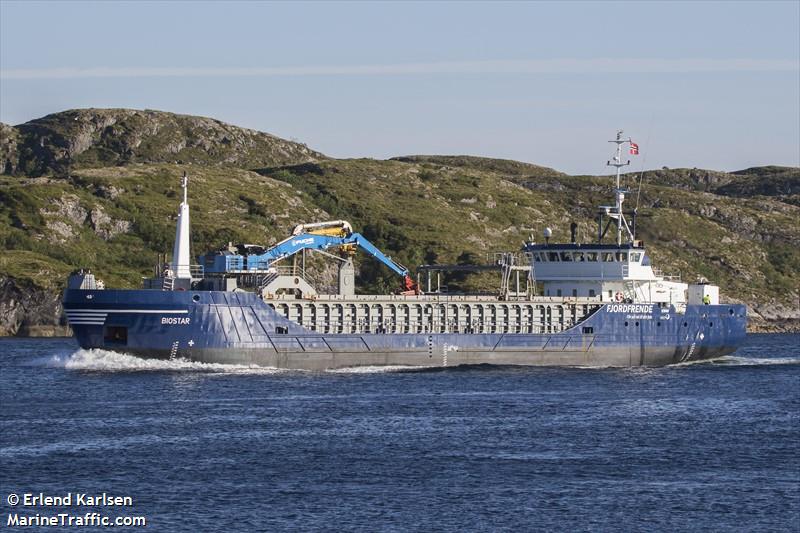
<point>320,239</point>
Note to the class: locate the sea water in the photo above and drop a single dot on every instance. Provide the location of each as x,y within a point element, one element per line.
<point>198,447</point>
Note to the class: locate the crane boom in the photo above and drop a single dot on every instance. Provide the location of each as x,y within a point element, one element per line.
<point>337,228</point>
<point>313,241</point>
<point>316,236</point>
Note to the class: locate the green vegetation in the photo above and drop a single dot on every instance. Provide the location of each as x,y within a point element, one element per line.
<point>505,167</point>
<point>33,268</point>
<point>55,219</point>
<point>113,207</point>
<point>420,211</point>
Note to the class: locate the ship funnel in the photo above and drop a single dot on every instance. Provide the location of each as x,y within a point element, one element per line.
<point>180,252</point>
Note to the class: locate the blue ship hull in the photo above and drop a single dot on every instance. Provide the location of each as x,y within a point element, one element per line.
<point>239,328</point>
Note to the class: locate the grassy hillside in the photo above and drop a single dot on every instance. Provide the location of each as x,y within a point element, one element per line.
<point>505,167</point>
<point>117,219</point>
<point>427,212</point>
<point>740,230</point>
<point>781,183</point>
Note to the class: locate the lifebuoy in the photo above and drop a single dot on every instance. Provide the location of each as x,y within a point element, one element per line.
<point>619,296</point>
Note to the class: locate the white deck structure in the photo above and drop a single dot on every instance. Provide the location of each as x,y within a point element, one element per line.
<point>611,272</point>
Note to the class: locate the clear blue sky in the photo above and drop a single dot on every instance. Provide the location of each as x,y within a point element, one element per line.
<point>710,85</point>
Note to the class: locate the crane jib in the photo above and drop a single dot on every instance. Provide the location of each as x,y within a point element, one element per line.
<point>312,241</point>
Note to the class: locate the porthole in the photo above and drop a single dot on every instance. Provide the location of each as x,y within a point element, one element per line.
<point>711,324</point>
<point>658,324</point>
<point>730,312</point>
<point>196,297</point>
<point>637,324</point>
<point>686,324</point>
<point>626,324</point>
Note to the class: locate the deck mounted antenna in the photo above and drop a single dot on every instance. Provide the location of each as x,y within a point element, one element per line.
<point>619,193</point>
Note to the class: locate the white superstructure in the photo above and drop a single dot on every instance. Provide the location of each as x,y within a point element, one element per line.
<point>616,272</point>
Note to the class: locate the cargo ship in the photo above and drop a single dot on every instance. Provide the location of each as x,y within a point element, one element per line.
<point>581,304</point>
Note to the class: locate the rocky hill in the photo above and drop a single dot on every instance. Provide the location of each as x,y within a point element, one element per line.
<point>114,210</point>
<point>84,138</point>
<point>777,182</point>
<point>505,167</point>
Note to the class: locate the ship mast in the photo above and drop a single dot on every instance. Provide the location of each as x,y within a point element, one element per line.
<point>180,252</point>
<point>619,193</point>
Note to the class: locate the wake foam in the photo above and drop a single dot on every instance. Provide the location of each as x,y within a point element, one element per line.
<point>106,361</point>
<point>738,360</point>
<point>98,360</point>
<point>735,360</point>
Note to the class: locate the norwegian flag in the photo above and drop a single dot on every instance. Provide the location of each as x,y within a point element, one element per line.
<point>634,148</point>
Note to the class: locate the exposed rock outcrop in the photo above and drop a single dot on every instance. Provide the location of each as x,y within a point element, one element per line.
<point>28,310</point>
<point>105,226</point>
<point>82,138</point>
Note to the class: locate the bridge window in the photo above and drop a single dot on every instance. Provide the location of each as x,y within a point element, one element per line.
<point>566,256</point>
<point>281,330</point>
<point>575,292</point>
<point>608,257</point>
<point>552,256</point>
<point>558,292</point>
<point>635,256</point>
<point>591,293</point>
<point>591,256</point>
<point>579,257</point>
<point>588,330</point>
<point>622,256</point>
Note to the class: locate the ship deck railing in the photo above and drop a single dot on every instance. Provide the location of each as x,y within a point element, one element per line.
<point>439,298</point>
<point>667,277</point>
<point>270,269</point>
<point>196,271</point>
